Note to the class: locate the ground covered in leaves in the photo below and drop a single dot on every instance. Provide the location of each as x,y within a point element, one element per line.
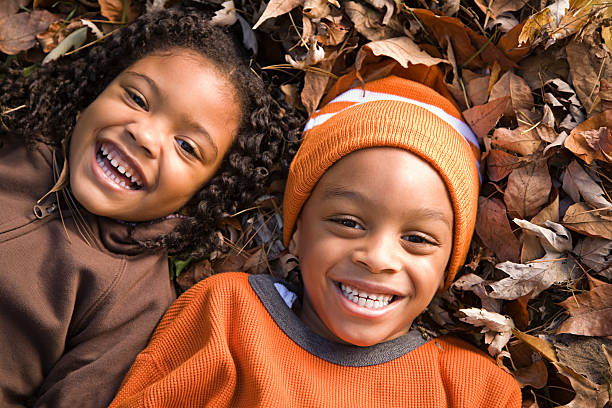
<point>533,80</point>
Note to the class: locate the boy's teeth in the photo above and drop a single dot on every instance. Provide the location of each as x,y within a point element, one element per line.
<point>368,300</point>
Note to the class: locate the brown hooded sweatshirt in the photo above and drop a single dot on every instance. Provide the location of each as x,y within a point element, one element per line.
<point>73,315</point>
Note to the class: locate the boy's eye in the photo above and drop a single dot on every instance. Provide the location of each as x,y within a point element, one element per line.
<point>138,100</point>
<point>349,223</point>
<point>416,239</point>
<point>187,147</point>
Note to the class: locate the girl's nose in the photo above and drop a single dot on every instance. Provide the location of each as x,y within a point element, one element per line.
<point>379,253</point>
<point>147,137</point>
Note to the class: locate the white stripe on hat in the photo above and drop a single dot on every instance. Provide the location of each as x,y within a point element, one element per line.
<point>359,96</point>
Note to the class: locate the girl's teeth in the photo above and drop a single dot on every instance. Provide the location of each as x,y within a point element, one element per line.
<point>121,169</point>
<point>128,174</point>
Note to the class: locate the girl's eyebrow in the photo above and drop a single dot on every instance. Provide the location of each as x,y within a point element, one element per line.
<point>149,81</point>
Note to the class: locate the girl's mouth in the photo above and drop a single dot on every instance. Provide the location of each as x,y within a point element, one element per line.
<point>365,299</point>
<point>117,169</point>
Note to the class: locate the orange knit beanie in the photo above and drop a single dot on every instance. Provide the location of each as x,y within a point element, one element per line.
<point>393,112</point>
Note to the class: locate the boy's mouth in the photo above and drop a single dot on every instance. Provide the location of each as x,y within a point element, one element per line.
<point>117,168</point>
<point>365,299</point>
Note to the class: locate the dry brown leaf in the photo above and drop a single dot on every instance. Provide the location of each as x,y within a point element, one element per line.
<point>585,355</point>
<point>591,139</point>
<point>465,42</point>
<point>388,5</point>
<point>531,278</point>
<point>500,164</point>
<point>582,219</point>
<point>276,8</point>
<point>402,49</point>
<point>497,7</point>
<point>521,140</point>
<point>605,93</point>
<point>588,394</point>
<point>596,253</point>
<point>10,7</point>
<point>534,26</point>
<point>368,22</point>
<point>555,239</point>
<point>483,118</point>
<point>576,183</point>
<point>509,44</point>
<point>494,230</point>
<point>114,10</point>
<point>18,32</point>
<point>316,9</point>
<point>477,90</point>
<point>517,309</point>
<point>497,327</point>
<point>527,190</point>
<point>531,249</point>
<point>542,346</point>
<point>521,99</point>
<point>474,283</point>
<point>314,87</point>
<point>587,67</point>
<point>195,273</point>
<point>550,212</point>
<point>536,375</point>
<point>590,313</point>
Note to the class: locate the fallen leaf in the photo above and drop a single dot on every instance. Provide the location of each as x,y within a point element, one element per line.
<point>534,26</point>
<point>576,182</point>
<point>113,10</point>
<point>73,41</point>
<point>18,32</point>
<point>528,189</point>
<point>316,9</point>
<point>596,253</point>
<point>588,394</point>
<point>605,91</point>
<point>510,46</point>
<point>476,284</point>
<point>585,355</point>
<point>226,15</point>
<point>586,69</point>
<point>497,7</point>
<point>276,8</point>
<point>500,164</point>
<point>388,5</point>
<point>368,22</point>
<point>499,327</point>
<point>533,277</point>
<point>483,118</point>
<point>314,87</point>
<point>477,90</point>
<point>10,7</point>
<point>521,99</point>
<point>494,230</point>
<point>590,313</point>
<point>584,139</point>
<point>555,239</point>
<point>536,375</point>
<point>543,347</point>
<point>517,310</point>
<point>521,140</point>
<point>582,219</point>
<point>401,49</point>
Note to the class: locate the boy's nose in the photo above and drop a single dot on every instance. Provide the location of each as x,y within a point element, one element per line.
<point>147,137</point>
<point>380,253</point>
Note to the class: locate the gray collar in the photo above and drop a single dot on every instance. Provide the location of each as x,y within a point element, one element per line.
<point>342,354</point>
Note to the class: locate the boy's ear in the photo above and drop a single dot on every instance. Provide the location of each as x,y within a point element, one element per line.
<point>294,242</point>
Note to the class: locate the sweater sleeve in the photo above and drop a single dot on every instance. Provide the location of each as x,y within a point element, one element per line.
<point>102,345</point>
<point>193,335</point>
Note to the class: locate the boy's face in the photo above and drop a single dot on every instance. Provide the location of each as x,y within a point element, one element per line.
<point>373,242</point>
<point>153,138</point>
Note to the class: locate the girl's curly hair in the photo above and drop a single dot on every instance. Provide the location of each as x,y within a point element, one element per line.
<point>55,93</point>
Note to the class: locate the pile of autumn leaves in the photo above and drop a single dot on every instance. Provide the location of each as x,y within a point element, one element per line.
<point>532,83</point>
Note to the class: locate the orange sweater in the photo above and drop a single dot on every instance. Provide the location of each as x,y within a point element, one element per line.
<point>230,341</point>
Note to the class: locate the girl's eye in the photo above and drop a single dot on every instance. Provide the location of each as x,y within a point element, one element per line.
<point>187,147</point>
<point>138,100</point>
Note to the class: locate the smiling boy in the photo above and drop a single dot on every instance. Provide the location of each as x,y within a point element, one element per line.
<point>379,208</point>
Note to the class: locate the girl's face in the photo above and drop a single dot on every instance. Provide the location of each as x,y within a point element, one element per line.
<point>153,137</point>
<point>373,241</point>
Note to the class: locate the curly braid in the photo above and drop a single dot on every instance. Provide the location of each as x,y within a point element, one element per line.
<point>55,93</point>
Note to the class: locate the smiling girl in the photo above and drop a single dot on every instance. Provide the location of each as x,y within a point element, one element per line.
<point>164,129</point>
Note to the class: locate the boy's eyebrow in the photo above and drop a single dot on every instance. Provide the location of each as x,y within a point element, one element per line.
<point>339,191</point>
<point>191,123</point>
